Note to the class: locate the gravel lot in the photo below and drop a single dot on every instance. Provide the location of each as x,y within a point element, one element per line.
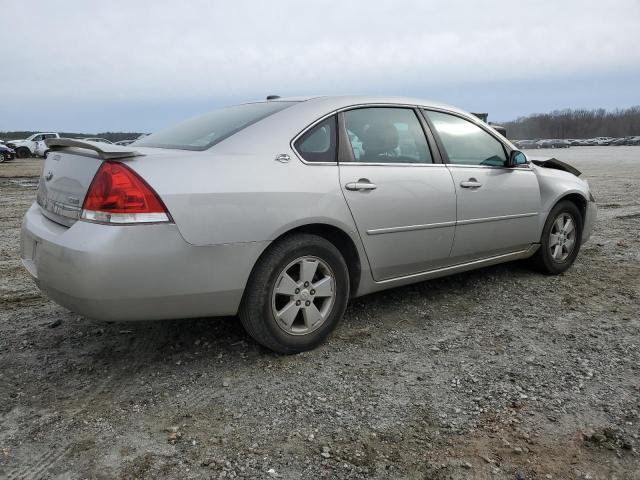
<point>498,373</point>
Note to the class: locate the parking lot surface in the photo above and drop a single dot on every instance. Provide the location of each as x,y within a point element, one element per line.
<point>497,373</point>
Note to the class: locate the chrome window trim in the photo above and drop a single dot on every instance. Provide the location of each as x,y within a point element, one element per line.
<point>478,123</point>
<point>371,105</point>
<point>526,167</point>
<point>391,164</point>
<point>305,130</point>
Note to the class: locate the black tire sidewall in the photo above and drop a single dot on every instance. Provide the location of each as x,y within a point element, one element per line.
<point>549,263</point>
<point>257,302</point>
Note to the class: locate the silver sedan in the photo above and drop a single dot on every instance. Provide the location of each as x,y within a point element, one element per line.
<point>281,211</point>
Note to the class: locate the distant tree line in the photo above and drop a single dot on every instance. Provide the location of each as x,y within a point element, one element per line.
<point>111,136</point>
<point>578,123</point>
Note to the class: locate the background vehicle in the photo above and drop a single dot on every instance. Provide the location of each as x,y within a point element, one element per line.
<point>26,148</point>
<point>255,210</point>
<point>553,143</point>
<point>41,149</point>
<point>527,144</point>
<point>6,153</point>
<point>602,140</point>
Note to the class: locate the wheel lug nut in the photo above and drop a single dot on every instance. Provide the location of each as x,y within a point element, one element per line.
<point>297,290</point>
<point>312,292</point>
<point>307,303</point>
<point>297,302</point>
<point>306,284</point>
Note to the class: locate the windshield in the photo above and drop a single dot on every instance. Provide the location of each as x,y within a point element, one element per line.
<point>206,130</point>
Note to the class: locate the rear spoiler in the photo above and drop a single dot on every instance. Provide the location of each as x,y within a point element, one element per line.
<point>556,164</point>
<point>106,151</point>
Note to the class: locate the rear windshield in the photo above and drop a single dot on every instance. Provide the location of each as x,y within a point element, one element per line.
<point>206,130</point>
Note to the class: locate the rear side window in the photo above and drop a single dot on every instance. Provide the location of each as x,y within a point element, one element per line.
<point>206,130</point>
<point>386,135</point>
<point>318,144</point>
<point>466,143</point>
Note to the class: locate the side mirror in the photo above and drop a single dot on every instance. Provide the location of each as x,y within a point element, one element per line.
<point>517,158</point>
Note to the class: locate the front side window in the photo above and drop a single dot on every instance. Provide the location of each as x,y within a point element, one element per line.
<point>386,135</point>
<point>466,143</point>
<point>318,144</point>
<point>206,130</point>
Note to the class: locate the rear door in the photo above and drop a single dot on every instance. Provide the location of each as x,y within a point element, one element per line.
<point>401,196</point>
<point>498,207</point>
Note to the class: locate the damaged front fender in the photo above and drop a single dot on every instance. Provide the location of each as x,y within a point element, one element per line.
<point>555,164</point>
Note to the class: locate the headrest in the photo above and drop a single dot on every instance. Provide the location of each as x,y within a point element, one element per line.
<point>380,138</point>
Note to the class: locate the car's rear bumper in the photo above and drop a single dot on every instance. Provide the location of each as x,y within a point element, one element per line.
<point>589,220</point>
<point>134,272</point>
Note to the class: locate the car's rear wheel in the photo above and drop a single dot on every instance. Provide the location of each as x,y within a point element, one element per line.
<point>296,295</point>
<point>2,158</point>
<point>561,238</point>
<point>23,152</point>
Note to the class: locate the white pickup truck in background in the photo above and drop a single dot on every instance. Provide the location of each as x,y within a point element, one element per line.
<point>27,147</point>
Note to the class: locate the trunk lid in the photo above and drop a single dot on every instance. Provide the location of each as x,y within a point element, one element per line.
<point>68,172</point>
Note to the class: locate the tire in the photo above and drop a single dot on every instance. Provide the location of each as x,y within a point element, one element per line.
<point>2,159</point>
<point>547,259</point>
<point>270,300</point>
<point>23,152</point>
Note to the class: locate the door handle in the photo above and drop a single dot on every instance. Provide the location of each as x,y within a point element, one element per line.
<point>362,184</point>
<point>471,183</point>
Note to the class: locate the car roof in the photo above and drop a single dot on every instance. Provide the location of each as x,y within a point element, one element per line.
<point>341,101</point>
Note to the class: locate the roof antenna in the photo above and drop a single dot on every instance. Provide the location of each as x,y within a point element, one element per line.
<point>273,97</point>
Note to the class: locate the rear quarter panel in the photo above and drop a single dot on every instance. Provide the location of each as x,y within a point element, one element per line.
<point>231,197</point>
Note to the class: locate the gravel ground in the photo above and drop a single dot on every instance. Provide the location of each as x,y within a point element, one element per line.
<point>497,373</point>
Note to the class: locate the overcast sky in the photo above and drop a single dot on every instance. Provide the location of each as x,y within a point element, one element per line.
<point>116,65</point>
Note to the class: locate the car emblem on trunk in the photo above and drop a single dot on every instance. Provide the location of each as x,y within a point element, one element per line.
<point>48,176</point>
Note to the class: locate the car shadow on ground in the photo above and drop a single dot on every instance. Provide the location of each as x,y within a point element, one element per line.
<point>225,335</point>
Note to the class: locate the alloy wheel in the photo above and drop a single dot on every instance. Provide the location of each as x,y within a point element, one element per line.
<point>303,295</point>
<point>562,238</point>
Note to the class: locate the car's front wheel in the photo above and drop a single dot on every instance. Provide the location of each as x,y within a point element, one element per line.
<point>23,152</point>
<point>561,238</point>
<point>296,295</point>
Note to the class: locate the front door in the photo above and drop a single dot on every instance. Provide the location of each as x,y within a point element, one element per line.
<point>498,207</point>
<point>403,203</point>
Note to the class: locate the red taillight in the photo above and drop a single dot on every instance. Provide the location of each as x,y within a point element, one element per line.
<point>118,195</point>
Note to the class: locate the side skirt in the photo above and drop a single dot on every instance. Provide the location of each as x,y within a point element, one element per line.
<point>443,272</point>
